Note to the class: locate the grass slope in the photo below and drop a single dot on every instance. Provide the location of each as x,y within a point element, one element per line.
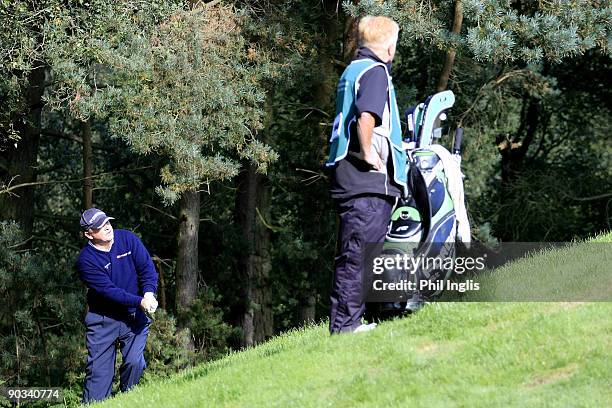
<point>449,354</point>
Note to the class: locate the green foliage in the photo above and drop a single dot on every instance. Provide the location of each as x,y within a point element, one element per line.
<point>167,348</point>
<point>371,7</point>
<point>40,329</point>
<point>549,197</point>
<point>19,53</point>
<point>186,88</point>
<point>552,30</point>
<point>77,40</point>
<point>495,30</point>
<point>206,326</point>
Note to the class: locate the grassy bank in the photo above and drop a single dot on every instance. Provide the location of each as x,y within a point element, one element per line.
<point>449,354</point>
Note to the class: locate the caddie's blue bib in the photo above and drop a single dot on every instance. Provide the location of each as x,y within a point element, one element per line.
<point>346,115</point>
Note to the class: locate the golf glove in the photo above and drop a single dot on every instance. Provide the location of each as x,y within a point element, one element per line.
<point>152,302</point>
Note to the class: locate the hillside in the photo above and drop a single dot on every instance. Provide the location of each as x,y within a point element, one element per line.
<point>449,354</point>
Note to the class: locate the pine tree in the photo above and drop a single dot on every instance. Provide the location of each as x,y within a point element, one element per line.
<point>183,84</point>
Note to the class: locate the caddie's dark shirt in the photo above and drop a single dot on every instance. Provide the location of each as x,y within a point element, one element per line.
<point>352,176</point>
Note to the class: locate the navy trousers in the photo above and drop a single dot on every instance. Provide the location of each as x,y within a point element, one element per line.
<point>104,334</point>
<point>363,224</point>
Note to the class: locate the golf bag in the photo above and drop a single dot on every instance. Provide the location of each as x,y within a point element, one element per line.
<point>424,224</point>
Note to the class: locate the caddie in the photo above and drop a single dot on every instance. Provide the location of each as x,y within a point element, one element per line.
<point>121,284</point>
<point>369,165</point>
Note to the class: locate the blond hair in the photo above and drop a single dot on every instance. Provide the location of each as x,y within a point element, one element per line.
<point>377,32</point>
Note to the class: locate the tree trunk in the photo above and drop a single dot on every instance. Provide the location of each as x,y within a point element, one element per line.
<point>21,161</point>
<point>307,309</point>
<point>254,263</point>
<point>351,38</point>
<point>450,54</point>
<point>513,151</point>
<point>87,164</point>
<point>187,258</point>
<point>324,84</point>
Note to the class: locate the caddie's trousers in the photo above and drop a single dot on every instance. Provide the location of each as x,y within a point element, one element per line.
<point>104,334</point>
<point>363,225</point>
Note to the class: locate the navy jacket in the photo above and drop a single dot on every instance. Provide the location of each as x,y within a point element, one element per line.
<point>118,279</point>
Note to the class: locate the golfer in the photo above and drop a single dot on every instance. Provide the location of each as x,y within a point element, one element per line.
<point>121,281</point>
<point>369,166</point>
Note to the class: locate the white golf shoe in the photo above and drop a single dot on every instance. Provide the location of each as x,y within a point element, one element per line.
<point>365,328</point>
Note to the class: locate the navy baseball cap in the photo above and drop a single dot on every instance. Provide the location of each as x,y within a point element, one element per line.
<point>94,219</point>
